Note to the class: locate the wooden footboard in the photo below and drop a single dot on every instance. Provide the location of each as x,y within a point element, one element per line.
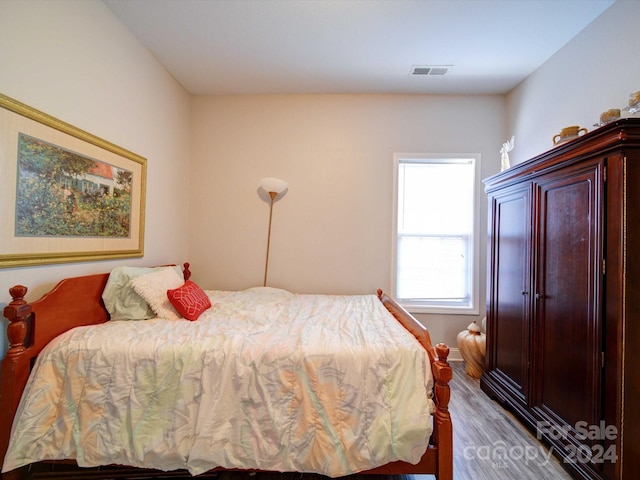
<point>78,301</point>
<point>438,458</point>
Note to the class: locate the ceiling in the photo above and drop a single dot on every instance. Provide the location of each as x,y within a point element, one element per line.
<point>353,46</point>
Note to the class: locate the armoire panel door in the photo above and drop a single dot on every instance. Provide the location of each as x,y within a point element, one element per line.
<point>508,318</point>
<point>567,298</point>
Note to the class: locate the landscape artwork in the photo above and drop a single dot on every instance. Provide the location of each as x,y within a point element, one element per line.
<point>68,196</point>
<point>61,193</point>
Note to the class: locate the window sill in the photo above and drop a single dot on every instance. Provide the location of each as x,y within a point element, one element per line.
<point>413,308</point>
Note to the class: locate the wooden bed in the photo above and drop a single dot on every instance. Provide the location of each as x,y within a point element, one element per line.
<point>78,301</point>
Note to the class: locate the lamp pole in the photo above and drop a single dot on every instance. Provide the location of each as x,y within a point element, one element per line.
<point>266,265</point>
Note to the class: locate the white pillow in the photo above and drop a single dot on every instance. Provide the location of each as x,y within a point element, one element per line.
<point>153,288</point>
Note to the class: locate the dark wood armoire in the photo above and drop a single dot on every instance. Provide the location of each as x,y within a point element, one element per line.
<point>563,299</point>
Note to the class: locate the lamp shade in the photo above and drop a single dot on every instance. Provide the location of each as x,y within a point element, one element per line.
<point>274,185</point>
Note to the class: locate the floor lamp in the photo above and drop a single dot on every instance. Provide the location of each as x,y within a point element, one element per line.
<point>274,187</point>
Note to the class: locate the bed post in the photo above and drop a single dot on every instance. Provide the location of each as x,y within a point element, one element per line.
<point>15,365</point>
<point>443,430</point>
<point>186,273</point>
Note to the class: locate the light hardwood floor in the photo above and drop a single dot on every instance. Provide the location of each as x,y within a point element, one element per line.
<point>489,444</point>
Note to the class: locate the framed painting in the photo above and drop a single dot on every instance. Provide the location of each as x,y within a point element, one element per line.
<point>67,195</point>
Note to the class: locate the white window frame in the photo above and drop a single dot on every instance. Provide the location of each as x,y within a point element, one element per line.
<point>417,306</point>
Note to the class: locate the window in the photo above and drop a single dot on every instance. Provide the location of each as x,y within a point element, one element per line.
<point>436,235</point>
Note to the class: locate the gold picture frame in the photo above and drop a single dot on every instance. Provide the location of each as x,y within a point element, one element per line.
<point>67,195</point>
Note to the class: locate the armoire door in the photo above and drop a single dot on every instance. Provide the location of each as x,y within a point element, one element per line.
<point>567,343</point>
<point>508,317</point>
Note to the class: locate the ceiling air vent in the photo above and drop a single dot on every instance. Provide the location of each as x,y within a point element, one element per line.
<point>430,69</point>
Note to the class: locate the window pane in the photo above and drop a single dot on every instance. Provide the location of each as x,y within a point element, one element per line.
<point>435,198</point>
<point>434,268</point>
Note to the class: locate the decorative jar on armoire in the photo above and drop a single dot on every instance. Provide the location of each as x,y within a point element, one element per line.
<point>563,299</point>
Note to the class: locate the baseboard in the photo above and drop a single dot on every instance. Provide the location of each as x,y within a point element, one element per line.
<point>455,355</point>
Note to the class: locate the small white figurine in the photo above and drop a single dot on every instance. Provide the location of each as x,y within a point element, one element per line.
<point>506,148</point>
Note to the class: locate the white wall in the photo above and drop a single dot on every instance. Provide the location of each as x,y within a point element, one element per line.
<point>75,61</point>
<point>595,71</point>
<point>332,229</point>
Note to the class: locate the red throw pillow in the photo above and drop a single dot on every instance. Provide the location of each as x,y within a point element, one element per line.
<point>189,300</point>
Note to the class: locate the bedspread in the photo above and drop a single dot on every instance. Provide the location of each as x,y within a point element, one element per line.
<point>265,379</point>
